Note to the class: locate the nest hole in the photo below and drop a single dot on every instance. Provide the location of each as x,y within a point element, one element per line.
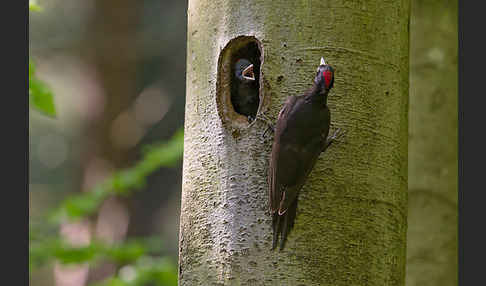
<point>239,79</point>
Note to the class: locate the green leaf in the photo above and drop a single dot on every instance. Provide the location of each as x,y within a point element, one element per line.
<point>112,281</point>
<point>34,7</point>
<point>127,252</point>
<point>79,205</point>
<point>68,254</point>
<point>40,96</point>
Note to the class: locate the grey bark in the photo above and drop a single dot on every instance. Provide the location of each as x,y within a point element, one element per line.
<point>432,232</point>
<point>352,215</point>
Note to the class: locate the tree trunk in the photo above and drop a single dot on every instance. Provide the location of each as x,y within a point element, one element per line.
<point>432,235</point>
<point>352,214</point>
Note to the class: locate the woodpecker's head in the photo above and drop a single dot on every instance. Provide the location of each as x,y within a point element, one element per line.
<point>244,70</point>
<point>324,77</point>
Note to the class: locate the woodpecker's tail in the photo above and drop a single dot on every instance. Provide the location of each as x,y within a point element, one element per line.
<point>282,224</point>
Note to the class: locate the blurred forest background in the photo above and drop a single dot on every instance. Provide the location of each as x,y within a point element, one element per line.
<point>105,172</point>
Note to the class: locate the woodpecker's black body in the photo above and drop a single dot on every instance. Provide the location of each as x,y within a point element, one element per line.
<point>301,134</point>
<point>244,94</point>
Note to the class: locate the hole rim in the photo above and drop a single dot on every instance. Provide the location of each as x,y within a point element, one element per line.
<point>226,111</point>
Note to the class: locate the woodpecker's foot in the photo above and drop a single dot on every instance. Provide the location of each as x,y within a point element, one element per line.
<point>336,135</point>
<point>250,118</point>
<point>266,120</point>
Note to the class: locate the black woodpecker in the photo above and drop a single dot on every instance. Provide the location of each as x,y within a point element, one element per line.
<point>244,93</point>
<point>301,134</point>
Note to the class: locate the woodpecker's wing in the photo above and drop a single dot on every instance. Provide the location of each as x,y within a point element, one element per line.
<point>293,156</point>
<point>275,189</point>
<point>286,158</point>
<point>296,147</point>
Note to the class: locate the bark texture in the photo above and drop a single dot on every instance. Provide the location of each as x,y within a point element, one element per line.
<point>432,232</point>
<point>352,216</point>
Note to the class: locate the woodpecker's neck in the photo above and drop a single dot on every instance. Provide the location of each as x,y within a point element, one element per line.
<point>316,94</point>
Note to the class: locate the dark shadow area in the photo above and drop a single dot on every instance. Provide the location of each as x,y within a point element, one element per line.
<point>245,93</point>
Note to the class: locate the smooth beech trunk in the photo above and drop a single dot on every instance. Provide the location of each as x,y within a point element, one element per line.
<point>352,215</point>
<point>432,251</point>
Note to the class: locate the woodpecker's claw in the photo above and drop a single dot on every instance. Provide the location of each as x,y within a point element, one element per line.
<point>337,134</point>
<point>266,130</point>
<point>266,120</point>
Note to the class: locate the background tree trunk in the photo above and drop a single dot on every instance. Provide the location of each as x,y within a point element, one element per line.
<point>112,50</point>
<point>432,231</point>
<point>352,215</point>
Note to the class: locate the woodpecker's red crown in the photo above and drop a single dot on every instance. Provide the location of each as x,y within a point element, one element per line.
<point>325,76</point>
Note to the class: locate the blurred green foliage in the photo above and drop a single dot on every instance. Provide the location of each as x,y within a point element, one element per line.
<point>67,254</point>
<point>40,96</point>
<point>162,271</point>
<point>136,256</point>
<point>123,182</point>
<point>140,261</point>
<point>158,271</point>
<point>34,7</point>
